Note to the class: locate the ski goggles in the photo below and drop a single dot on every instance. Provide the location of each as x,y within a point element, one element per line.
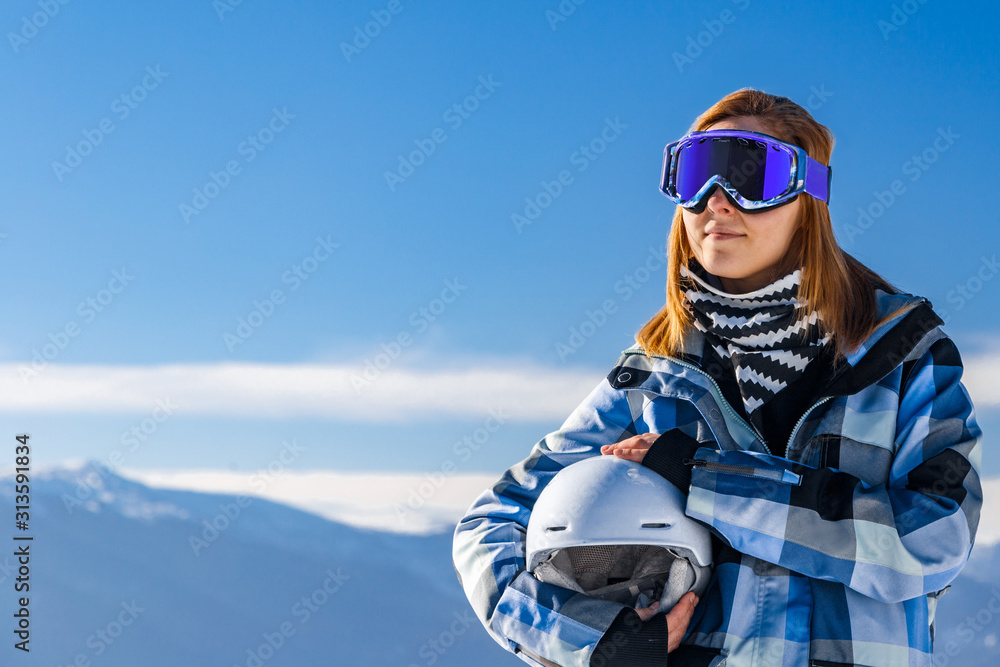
<point>756,170</point>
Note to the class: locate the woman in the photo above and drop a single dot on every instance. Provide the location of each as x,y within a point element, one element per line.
<point>813,414</point>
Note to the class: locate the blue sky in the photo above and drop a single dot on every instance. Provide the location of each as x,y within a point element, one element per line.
<point>170,170</point>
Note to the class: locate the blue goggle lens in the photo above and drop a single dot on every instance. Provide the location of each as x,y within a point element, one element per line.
<point>758,170</point>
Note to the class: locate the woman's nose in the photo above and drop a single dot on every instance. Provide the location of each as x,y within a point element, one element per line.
<point>719,202</point>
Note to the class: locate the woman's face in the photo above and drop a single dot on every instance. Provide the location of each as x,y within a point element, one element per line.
<point>743,249</point>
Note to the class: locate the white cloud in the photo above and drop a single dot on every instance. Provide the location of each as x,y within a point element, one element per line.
<point>989,519</point>
<point>524,392</point>
<point>397,502</point>
<point>980,378</point>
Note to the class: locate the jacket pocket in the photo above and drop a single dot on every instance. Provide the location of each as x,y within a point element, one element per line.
<point>768,474</point>
<point>869,463</point>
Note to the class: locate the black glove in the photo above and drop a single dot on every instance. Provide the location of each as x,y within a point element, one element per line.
<point>630,642</point>
<point>667,454</point>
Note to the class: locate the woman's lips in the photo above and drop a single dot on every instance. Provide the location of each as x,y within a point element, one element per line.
<point>719,236</point>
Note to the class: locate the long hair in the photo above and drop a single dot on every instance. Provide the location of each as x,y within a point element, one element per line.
<point>834,283</point>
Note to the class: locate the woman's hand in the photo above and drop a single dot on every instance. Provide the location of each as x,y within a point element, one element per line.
<point>633,449</point>
<point>677,619</point>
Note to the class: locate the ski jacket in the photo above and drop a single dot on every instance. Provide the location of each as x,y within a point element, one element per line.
<point>832,555</point>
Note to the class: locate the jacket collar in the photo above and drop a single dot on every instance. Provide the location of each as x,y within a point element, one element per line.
<point>887,346</point>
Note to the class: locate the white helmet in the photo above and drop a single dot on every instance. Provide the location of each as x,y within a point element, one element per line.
<point>616,530</point>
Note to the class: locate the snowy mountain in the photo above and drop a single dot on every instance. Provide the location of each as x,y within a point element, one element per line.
<point>133,575</point>
<point>124,573</point>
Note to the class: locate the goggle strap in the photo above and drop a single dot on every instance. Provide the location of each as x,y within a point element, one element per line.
<point>818,178</point>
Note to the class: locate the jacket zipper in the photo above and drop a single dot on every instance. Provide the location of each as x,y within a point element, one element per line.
<point>802,419</point>
<point>785,476</point>
<point>720,399</point>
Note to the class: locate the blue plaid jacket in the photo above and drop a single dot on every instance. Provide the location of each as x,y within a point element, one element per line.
<point>834,555</point>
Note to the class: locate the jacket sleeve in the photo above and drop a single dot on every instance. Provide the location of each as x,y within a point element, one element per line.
<point>907,537</point>
<point>522,614</point>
